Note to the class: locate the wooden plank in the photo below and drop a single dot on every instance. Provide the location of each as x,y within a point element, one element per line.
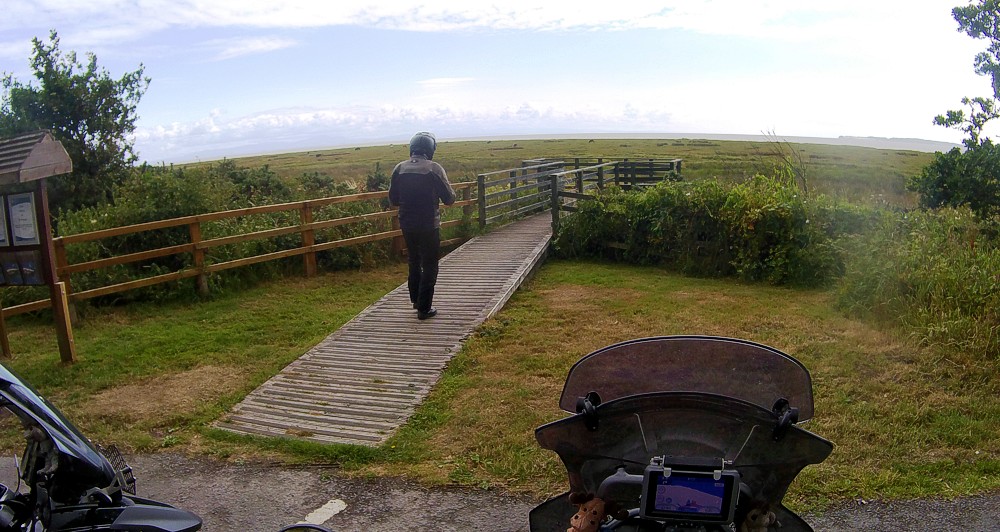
<point>379,366</point>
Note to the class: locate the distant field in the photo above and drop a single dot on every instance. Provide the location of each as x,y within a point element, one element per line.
<point>853,173</point>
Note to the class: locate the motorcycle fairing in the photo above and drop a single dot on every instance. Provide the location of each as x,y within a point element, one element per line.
<point>632,430</point>
<point>81,461</point>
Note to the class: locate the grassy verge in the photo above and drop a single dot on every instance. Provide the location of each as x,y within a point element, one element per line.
<point>906,421</point>
<point>154,375</point>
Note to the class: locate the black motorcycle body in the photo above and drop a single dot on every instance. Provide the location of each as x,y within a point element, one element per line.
<point>689,399</point>
<point>68,483</point>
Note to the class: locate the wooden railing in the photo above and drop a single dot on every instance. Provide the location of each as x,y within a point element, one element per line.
<point>634,173</point>
<point>578,184</point>
<point>573,180</point>
<point>499,197</point>
<point>508,194</point>
<point>198,248</point>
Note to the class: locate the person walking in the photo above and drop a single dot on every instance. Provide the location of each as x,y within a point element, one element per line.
<point>418,185</point>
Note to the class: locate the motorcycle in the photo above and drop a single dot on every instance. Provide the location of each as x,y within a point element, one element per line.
<point>69,484</point>
<point>681,433</point>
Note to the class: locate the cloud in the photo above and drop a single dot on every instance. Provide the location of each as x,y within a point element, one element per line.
<point>238,47</point>
<point>732,17</point>
<point>217,135</point>
<point>444,83</point>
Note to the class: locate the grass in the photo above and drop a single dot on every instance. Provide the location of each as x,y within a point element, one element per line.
<point>904,421</point>
<point>852,173</point>
<point>154,375</point>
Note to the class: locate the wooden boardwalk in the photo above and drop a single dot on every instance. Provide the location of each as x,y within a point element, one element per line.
<point>365,380</point>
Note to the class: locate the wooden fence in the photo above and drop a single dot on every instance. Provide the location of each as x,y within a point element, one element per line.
<point>631,173</point>
<point>508,194</point>
<point>197,248</point>
<point>498,197</point>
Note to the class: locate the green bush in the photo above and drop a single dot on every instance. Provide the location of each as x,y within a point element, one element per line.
<point>149,194</point>
<point>159,193</point>
<point>969,177</point>
<point>759,230</point>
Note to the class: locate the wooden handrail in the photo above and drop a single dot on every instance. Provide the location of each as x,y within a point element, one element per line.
<point>197,245</point>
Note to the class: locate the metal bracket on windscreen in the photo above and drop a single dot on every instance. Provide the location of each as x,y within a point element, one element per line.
<point>787,416</point>
<point>587,406</point>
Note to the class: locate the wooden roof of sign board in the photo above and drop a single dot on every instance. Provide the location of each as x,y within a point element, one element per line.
<point>32,156</point>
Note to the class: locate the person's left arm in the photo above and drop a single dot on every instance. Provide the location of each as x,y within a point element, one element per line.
<point>445,192</point>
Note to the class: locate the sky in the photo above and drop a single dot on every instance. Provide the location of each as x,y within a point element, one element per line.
<point>240,77</point>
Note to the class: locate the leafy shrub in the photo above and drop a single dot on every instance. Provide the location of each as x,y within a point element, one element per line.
<point>777,236</point>
<point>759,230</point>
<point>160,193</point>
<point>968,177</point>
<point>150,194</point>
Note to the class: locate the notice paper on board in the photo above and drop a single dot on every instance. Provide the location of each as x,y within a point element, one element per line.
<point>23,221</point>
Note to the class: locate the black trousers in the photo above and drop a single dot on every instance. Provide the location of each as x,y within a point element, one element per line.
<point>423,248</point>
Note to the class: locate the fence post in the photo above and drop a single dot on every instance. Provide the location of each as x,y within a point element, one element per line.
<point>308,239</point>
<point>481,190</point>
<point>397,242</point>
<point>194,229</point>
<point>64,331</point>
<point>5,351</point>
<point>618,168</point>
<point>579,181</point>
<point>512,186</point>
<point>467,209</point>
<point>61,263</point>
<point>554,198</point>
<point>600,173</point>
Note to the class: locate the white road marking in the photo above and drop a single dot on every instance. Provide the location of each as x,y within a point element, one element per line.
<point>325,512</point>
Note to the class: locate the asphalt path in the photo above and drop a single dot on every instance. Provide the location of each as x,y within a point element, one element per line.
<point>261,498</point>
<point>257,497</point>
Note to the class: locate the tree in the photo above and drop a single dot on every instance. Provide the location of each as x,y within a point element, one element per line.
<point>92,115</point>
<point>971,176</point>
<point>980,21</point>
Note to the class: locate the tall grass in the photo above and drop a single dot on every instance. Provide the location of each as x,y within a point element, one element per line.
<point>934,272</point>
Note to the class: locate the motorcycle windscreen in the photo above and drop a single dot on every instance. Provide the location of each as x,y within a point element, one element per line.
<point>739,369</point>
<point>682,426</point>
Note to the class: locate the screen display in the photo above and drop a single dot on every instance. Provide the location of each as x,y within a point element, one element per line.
<point>690,495</point>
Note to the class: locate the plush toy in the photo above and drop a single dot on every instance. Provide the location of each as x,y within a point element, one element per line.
<point>758,520</point>
<point>44,448</point>
<point>591,513</point>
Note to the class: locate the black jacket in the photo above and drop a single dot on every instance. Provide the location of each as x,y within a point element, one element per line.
<point>416,187</point>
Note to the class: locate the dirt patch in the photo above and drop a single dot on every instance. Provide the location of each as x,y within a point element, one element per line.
<point>180,392</point>
<point>583,298</point>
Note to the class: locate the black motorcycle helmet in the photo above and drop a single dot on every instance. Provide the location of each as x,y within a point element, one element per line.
<point>423,143</point>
